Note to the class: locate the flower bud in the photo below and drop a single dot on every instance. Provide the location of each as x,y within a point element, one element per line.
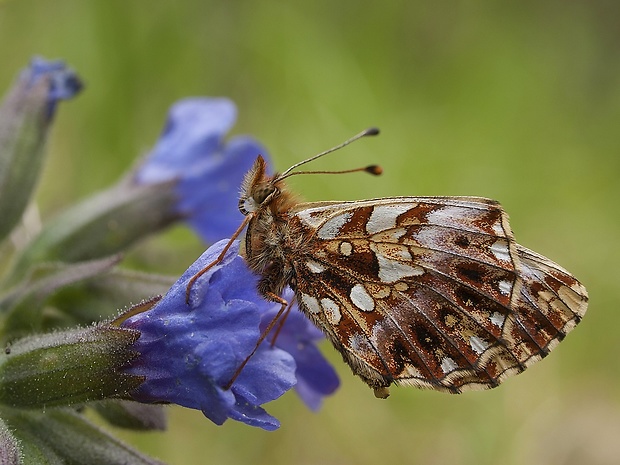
<point>25,117</point>
<point>102,225</point>
<point>68,367</point>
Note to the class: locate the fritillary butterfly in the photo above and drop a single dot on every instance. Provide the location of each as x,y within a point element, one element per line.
<point>432,292</point>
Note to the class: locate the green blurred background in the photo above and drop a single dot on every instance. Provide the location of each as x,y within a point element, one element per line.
<point>518,101</point>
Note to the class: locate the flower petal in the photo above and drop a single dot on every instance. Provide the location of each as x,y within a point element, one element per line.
<point>207,171</point>
<point>189,353</point>
<point>213,197</point>
<point>194,132</point>
<point>63,82</point>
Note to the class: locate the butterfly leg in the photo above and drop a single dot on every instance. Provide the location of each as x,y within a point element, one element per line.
<point>282,321</point>
<point>219,259</point>
<point>284,305</point>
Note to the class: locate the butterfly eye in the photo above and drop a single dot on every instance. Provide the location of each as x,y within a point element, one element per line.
<point>264,192</point>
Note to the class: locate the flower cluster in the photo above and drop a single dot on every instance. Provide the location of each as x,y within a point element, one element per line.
<point>200,352</point>
<point>216,336</point>
<point>216,331</point>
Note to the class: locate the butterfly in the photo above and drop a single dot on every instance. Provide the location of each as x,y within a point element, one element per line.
<point>432,292</point>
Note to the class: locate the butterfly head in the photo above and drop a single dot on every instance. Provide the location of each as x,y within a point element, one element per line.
<point>258,188</point>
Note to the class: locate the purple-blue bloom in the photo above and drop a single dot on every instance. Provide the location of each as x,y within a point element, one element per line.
<point>189,353</point>
<point>64,82</point>
<point>207,171</point>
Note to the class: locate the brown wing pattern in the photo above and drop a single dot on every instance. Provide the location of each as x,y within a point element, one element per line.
<point>551,301</point>
<point>432,292</point>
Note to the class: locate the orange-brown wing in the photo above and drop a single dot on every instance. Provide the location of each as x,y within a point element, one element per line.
<point>430,291</point>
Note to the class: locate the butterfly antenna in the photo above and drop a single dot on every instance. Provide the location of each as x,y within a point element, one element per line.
<point>370,169</point>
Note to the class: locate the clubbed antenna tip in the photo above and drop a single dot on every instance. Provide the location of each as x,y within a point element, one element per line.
<point>375,170</point>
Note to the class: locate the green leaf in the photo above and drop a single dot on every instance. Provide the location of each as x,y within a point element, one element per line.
<point>101,297</point>
<point>34,451</point>
<point>65,437</point>
<point>132,415</point>
<point>21,308</point>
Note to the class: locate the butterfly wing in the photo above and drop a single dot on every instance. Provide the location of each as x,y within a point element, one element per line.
<point>430,291</point>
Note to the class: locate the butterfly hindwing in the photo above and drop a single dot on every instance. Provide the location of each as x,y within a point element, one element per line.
<point>419,290</point>
<point>426,291</point>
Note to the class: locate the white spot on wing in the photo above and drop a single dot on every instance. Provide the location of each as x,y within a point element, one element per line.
<point>331,310</point>
<point>478,345</point>
<point>505,287</point>
<point>498,319</point>
<point>500,250</point>
<point>449,215</point>
<point>315,267</point>
<point>311,303</point>
<point>346,248</point>
<point>359,342</point>
<point>361,298</point>
<point>392,270</point>
<point>498,228</point>
<point>411,371</point>
<point>306,217</point>
<point>389,235</point>
<point>384,217</point>
<point>448,365</point>
<point>331,228</point>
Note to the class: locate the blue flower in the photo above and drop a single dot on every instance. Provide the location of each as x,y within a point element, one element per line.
<point>190,352</point>
<point>207,172</point>
<point>63,82</point>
